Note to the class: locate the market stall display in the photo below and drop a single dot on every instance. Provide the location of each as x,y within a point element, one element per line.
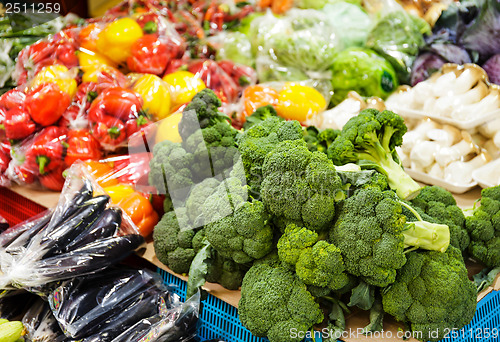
<point>264,146</point>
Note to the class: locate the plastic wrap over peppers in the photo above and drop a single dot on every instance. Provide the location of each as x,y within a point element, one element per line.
<point>83,234</point>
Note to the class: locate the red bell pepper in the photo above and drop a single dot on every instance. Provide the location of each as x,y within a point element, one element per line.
<point>121,103</point>
<point>12,98</point>
<point>46,152</point>
<point>134,125</point>
<point>81,145</point>
<point>53,180</point>
<point>148,22</point>
<point>149,55</point>
<point>66,54</point>
<point>18,124</point>
<point>46,103</point>
<point>86,93</point>
<point>23,174</point>
<point>109,131</point>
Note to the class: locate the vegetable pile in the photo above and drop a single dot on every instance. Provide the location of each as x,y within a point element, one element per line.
<point>304,220</point>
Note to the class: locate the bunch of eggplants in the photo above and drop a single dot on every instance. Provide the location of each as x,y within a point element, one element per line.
<point>121,305</point>
<point>79,237</point>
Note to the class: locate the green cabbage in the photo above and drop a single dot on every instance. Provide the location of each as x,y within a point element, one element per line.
<point>363,71</point>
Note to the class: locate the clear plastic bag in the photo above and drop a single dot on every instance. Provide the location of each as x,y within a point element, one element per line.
<point>302,40</point>
<point>123,305</point>
<point>82,235</point>
<point>40,324</point>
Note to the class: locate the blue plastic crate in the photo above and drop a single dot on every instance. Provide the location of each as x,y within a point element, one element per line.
<point>221,320</point>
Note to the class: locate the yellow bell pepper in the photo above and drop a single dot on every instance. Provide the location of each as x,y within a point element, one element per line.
<point>155,94</point>
<point>117,38</point>
<point>57,74</point>
<point>184,85</point>
<point>91,63</point>
<point>168,129</point>
<point>119,192</point>
<point>299,102</point>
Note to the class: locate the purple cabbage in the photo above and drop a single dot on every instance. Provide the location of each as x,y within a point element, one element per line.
<point>425,64</point>
<point>492,68</point>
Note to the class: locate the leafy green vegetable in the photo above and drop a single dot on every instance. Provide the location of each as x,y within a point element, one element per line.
<point>363,71</point>
<point>398,36</point>
<point>198,270</point>
<point>350,21</point>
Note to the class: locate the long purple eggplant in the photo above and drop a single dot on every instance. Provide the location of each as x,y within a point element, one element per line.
<point>88,213</point>
<point>106,226</point>
<point>88,259</point>
<point>21,234</point>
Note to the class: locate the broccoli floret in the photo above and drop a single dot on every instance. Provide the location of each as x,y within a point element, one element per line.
<point>362,179</point>
<point>300,185</point>
<point>214,150</point>
<point>198,195</point>
<point>201,112</point>
<point>317,263</point>
<point>244,235</point>
<point>174,246</point>
<point>260,114</point>
<point>273,301</point>
<point>170,167</point>
<point>484,228</point>
<point>229,195</point>
<point>220,270</point>
<point>369,139</point>
<point>372,233</point>
<point>258,141</point>
<point>432,293</point>
<point>319,141</point>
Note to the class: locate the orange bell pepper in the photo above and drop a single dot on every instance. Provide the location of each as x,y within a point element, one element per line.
<point>141,212</point>
<point>103,173</point>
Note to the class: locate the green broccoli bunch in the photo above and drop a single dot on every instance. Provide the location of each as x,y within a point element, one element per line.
<point>274,301</point>
<point>300,186</point>
<point>432,293</point>
<point>174,245</point>
<point>316,262</point>
<point>441,207</point>
<point>230,194</point>
<point>243,236</point>
<point>197,197</point>
<point>372,233</point>
<point>369,140</point>
<point>484,228</point>
<point>317,140</point>
<point>260,139</point>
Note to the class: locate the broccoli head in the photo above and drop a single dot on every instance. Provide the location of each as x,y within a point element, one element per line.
<point>440,205</point>
<point>432,293</point>
<point>197,196</point>
<point>260,114</point>
<point>300,185</point>
<point>273,301</point>
<point>484,228</point>
<point>372,233</point>
<point>174,246</point>
<point>256,142</point>
<point>369,139</point>
<point>317,263</point>
<point>201,112</point>
<point>244,235</point>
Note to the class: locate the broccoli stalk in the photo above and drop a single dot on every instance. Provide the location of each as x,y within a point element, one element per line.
<point>425,235</point>
<point>369,139</point>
